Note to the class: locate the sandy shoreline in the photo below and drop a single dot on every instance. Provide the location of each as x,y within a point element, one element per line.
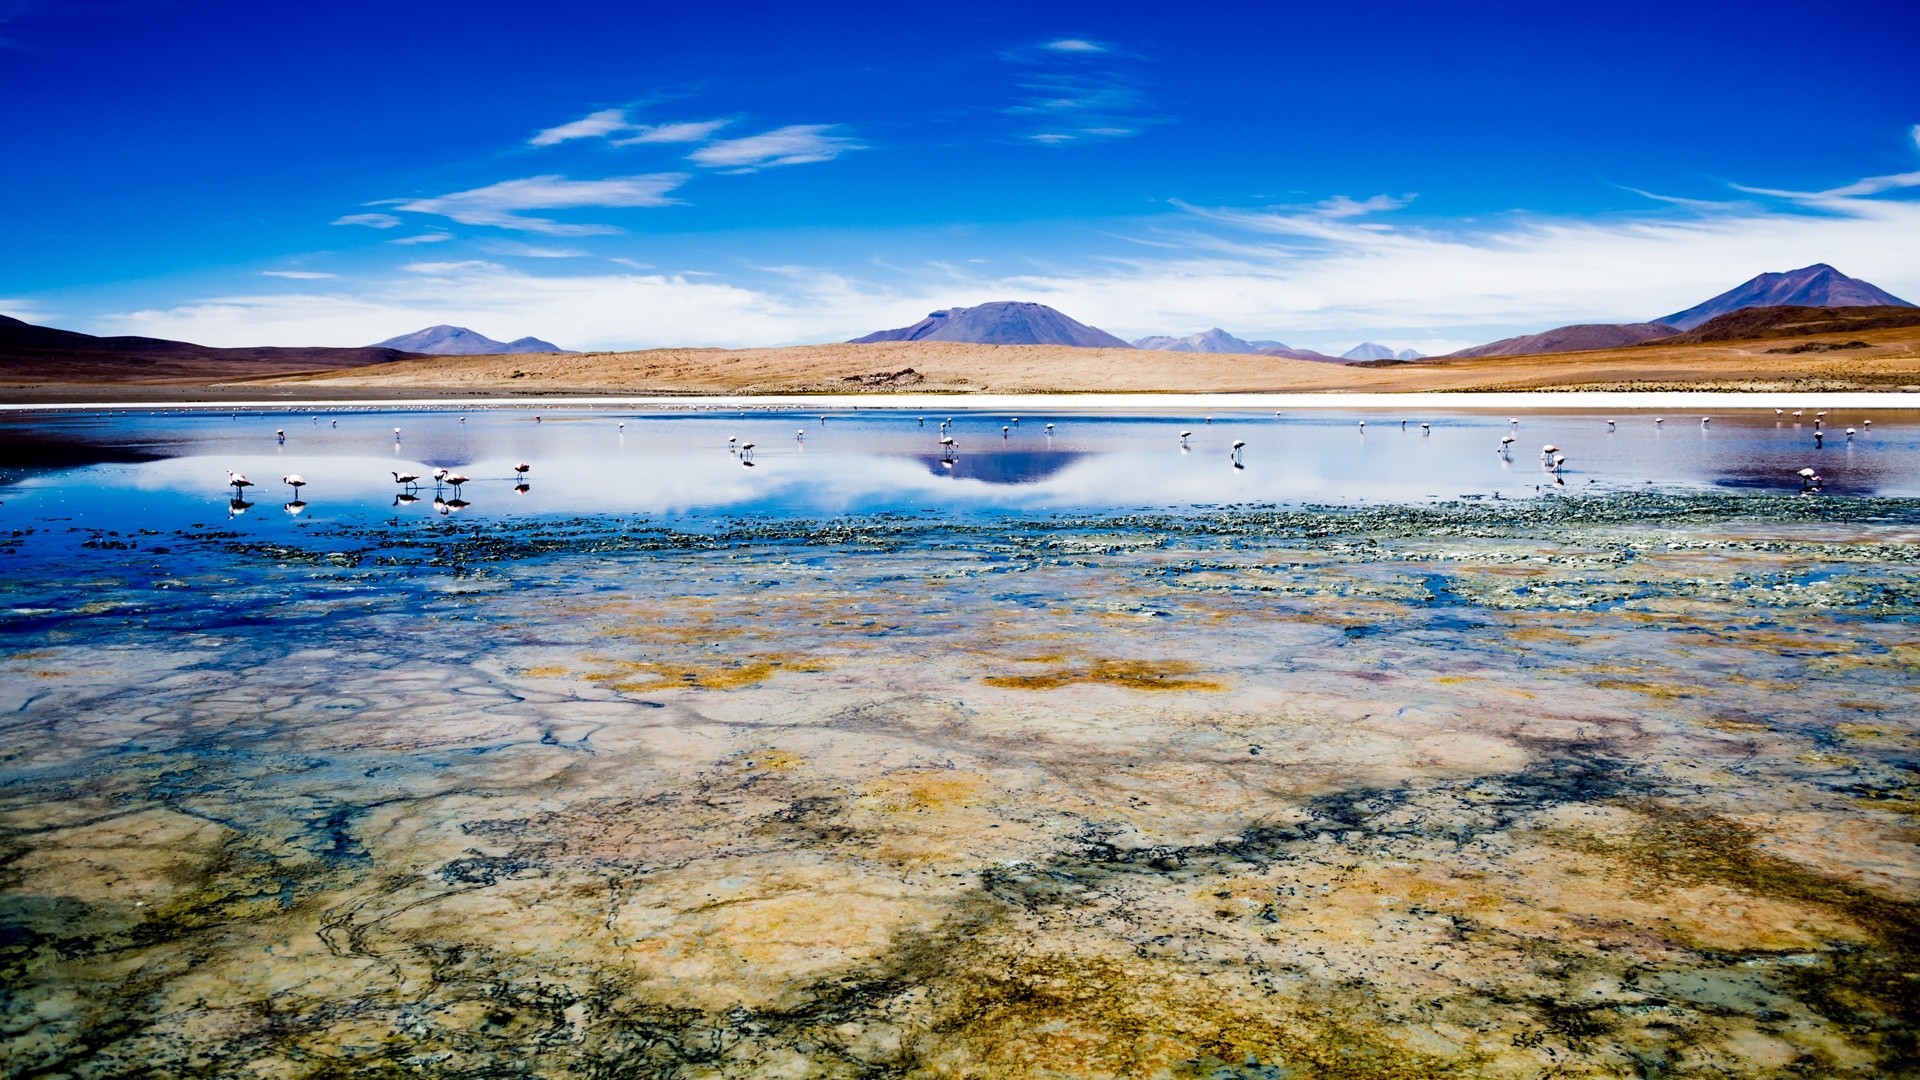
<point>1557,401</point>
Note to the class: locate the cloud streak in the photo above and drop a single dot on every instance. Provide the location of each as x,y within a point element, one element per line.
<point>592,126</point>
<point>614,126</point>
<point>1331,271</point>
<point>371,221</point>
<point>795,144</point>
<point>1077,91</point>
<point>501,205</point>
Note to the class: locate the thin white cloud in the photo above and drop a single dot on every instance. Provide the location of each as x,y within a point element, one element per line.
<point>423,238</point>
<point>531,251</point>
<point>371,221</point>
<point>23,309</point>
<point>1314,276</point>
<point>795,144</point>
<point>1076,91</point>
<point>298,275</point>
<point>690,131</point>
<point>500,204</point>
<point>592,126</point>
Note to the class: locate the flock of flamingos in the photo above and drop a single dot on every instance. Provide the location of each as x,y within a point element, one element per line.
<point>1551,460</point>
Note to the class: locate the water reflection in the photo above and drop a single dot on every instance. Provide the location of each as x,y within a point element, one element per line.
<point>160,465</point>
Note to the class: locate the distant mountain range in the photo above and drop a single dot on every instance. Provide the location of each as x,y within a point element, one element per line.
<point>1367,350</point>
<point>444,340</point>
<point>1001,322</point>
<point>1215,340</point>
<point>45,354</point>
<point>1816,286</point>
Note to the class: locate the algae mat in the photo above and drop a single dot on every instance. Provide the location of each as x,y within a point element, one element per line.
<point>1622,785</point>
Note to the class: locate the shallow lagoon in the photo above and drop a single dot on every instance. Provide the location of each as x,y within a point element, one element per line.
<point>1378,756</point>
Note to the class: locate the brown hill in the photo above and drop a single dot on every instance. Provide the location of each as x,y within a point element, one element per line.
<point>41,354</point>
<point>1765,322</point>
<point>1577,338</point>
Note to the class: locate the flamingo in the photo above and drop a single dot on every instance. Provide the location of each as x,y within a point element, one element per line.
<point>522,469</point>
<point>1426,428</point>
<point>455,480</point>
<point>1049,429</point>
<point>238,481</point>
<point>1184,436</point>
<point>746,453</point>
<point>280,433</point>
<point>405,479</point>
<point>439,477</point>
<point>1363,426</point>
<point>1658,421</point>
<point>296,482</point>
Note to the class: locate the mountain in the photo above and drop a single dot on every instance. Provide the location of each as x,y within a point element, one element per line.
<point>1215,340</point>
<point>1275,348</point>
<point>446,340</point>
<point>1409,354</point>
<point>1817,286</point>
<point>1002,322</point>
<point>45,354</point>
<point>1776,322</point>
<point>1576,338</point>
<point>1367,350</point>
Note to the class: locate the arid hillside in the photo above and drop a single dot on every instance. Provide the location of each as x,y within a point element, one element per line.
<point>1883,359</point>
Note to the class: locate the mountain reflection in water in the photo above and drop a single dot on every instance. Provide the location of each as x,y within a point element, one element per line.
<point>1002,466</point>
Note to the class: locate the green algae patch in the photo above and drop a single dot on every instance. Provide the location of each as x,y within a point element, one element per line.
<point>1128,674</point>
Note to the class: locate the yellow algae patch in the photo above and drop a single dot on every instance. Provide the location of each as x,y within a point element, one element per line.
<point>1710,884</point>
<point>643,676</point>
<point>145,858</point>
<point>921,790</point>
<point>544,671</point>
<point>1130,674</point>
<point>1541,633</point>
<point>917,817</point>
<point>1730,724</point>
<point>1662,691</point>
<point>1453,680</point>
<point>762,930</point>
<point>1105,1012</point>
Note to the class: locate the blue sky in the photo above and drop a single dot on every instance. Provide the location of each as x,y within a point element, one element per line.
<point>602,176</point>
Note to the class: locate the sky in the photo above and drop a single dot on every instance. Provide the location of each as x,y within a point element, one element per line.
<point>1424,175</point>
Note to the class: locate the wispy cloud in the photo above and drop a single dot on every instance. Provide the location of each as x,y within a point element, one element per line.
<point>690,131</point>
<point>423,238</point>
<point>531,251</point>
<point>371,221</point>
<point>298,275</point>
<point>501,205</point>
<point>795,144</point>
<point>1073,90</point>
<point>614,126</point>
<point>1320,274</point>
<point>592,126</point>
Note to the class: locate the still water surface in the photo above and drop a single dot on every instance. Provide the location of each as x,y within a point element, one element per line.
<point>169,468</point>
